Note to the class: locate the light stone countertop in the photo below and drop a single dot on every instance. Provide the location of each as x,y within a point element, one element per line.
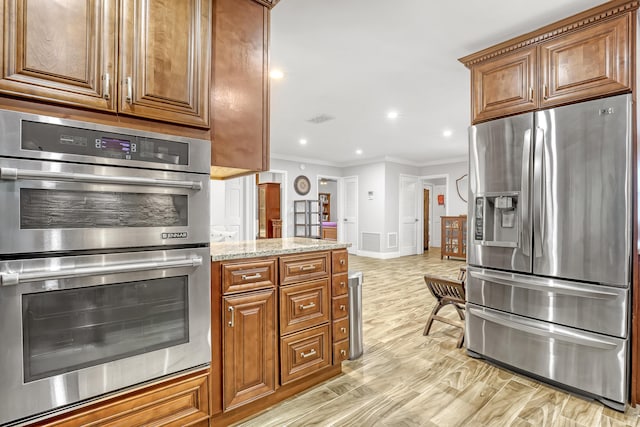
<point>221,251</point>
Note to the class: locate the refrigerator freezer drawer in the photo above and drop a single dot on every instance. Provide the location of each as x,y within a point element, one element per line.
<point>597,308</point>
<point>593,363</point>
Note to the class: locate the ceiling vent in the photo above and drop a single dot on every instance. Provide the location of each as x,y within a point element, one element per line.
<point>321,118</point>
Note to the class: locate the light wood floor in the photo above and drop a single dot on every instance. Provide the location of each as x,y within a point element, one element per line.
<point>407,379</point>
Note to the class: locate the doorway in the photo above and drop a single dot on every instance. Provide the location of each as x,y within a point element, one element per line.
<point>278,176</point>
<point>434,207</point>
<point>329,197</point>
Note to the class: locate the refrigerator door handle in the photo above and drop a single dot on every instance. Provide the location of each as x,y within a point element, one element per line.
<point>524,185</point>
<point>538,174</point>
<point>543,329</point>
<point>555,287</point>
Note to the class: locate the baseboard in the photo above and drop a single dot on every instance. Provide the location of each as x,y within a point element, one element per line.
<point>379,255</point>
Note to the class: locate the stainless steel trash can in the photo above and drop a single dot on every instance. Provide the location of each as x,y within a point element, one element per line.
<point>355,314</point>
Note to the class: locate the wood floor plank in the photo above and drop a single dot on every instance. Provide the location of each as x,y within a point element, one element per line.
<point>407,379</point>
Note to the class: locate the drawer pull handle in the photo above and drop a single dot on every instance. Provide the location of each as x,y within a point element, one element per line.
<point>304,307</point>
<point>343,353</point>
<point>251,277</point>
<point>343,307</point>
<point>232,321</point>
<point>311,353</point>
<point>343,284</point>
<point>342,262</point>
<point>343,330</point>
<point>307,267</point>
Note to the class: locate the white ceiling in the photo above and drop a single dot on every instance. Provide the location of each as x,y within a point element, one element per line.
<point>357,59</point>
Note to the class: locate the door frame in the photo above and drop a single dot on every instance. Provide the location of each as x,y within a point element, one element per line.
<point>447,198</point>
<point>339,188</point>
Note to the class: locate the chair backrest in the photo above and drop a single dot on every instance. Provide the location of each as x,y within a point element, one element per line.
<point>448,289</point>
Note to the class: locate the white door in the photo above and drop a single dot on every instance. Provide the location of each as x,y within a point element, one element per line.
<point>350,209</point>
<point>409,215</point>
<point>234,207</point>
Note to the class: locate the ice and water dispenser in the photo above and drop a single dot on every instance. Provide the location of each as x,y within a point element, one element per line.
<point>497,219</point>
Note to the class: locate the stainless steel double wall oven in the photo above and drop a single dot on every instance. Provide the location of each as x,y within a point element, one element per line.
<point>104,260</point>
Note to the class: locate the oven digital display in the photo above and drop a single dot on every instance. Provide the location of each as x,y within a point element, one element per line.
<point>118,145</point>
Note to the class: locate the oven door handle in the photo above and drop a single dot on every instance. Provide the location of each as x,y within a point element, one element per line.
<point>12,174</point>
<point>7,279</point>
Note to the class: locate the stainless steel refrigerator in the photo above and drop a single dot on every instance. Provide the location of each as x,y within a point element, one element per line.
<point>549,248</point>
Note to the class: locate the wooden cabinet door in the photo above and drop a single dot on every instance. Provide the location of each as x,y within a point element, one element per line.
<point>589,63</point>
<point>60,51</point>
<point>165,60</point>
<point>249,347</point>
<point>240,97</point>
<point>505,85</point>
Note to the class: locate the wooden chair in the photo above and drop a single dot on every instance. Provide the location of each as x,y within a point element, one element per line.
<point>447,291</point>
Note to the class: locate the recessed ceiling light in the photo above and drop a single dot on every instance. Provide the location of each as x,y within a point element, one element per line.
<point>358,151</point>
<point>447,133</point>
<point>276,74</point>
<point>392,115</point>
<point>303,142</point>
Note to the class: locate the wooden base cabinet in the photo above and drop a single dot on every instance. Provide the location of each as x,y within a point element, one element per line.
<point>180,401</point>
<point>273,329</point>
<point>249,347</point>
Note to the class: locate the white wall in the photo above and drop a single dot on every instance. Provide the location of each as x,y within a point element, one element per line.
<point>371,212</point>
<point>293,170</point>
<point>454,205</point>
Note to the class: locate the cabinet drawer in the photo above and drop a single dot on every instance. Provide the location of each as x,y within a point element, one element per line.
<point>340,351</point>
<point>304,353</point>
<point>340,329</point>
<point>297,268</point>
<point>247,276</point>
<point>304,305</point>
<point>340,261</point>
<point>339,284</point>
<point>179,401</point>
<point>340,307</point>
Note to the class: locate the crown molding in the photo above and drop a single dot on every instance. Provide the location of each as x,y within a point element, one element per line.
<point>591,16</point>
<point>362,162</point>
<point>268,3</point>
<point>289,158</point>
<point>450,160</point>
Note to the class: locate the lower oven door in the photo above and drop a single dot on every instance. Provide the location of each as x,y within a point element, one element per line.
<point>76,327</point>
<point>52,206</point>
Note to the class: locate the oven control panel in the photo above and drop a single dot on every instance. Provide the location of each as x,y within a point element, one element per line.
<point>55,138</point>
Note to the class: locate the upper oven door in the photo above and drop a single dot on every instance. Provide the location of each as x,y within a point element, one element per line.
<point>77,327</point>
<point>51,207</point>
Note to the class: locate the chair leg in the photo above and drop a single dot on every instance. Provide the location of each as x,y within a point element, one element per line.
<point>461,339</point>
<point>460,311</point>
<point>435,310</point>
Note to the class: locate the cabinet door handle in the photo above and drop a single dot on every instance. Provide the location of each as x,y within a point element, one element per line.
<point>129,90</point>
<point>232,321</point>
<point>530,94</point>
<point>546,92</point>
<point>254,276</point>
<point>343,353</point>
<point>343,330</point>
<point>343,307</point>
<point>307,267</point>
<point>311,353</point>
<point>342,261</point>
<point>304,307</point>
<point>106,83</point>
<point>343,284</point>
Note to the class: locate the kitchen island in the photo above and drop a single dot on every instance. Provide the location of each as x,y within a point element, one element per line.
<point>279,321</point>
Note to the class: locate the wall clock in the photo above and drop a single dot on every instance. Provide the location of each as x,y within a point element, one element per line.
<point>302,185</point>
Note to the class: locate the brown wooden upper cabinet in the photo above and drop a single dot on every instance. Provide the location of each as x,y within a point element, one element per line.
<point>156,66</point>
<point>505,85</point>
<point>240,91</point>
<point>582,57</point>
